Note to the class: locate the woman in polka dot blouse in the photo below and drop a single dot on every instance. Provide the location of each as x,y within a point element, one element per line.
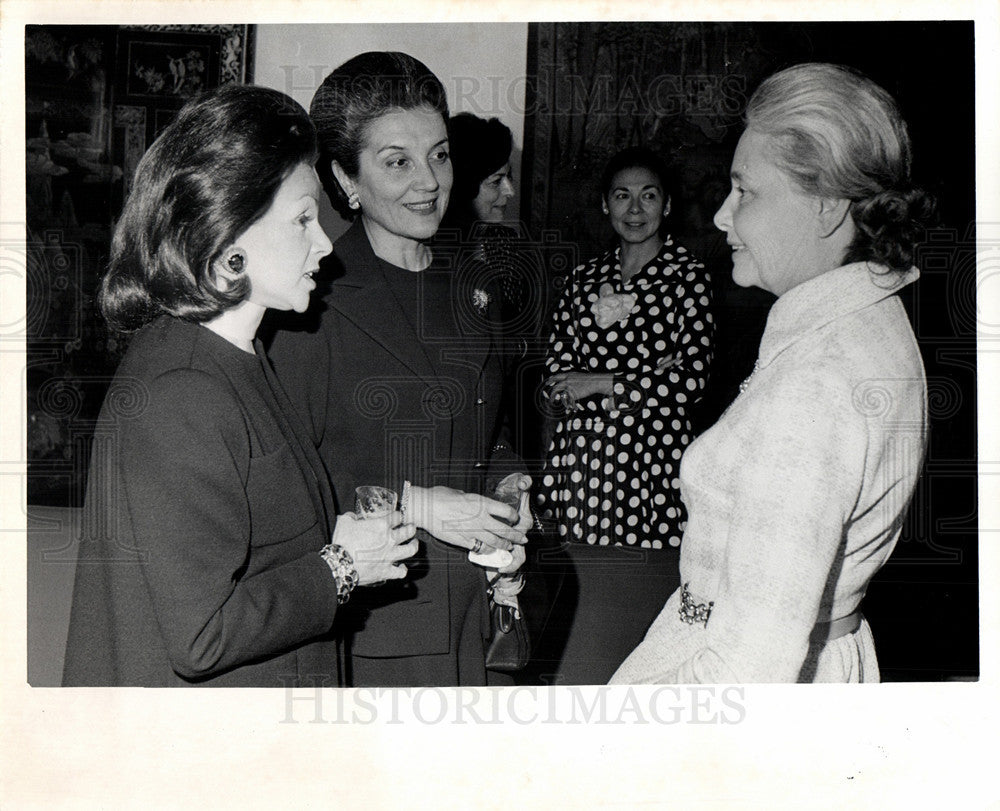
<point>628,356</point>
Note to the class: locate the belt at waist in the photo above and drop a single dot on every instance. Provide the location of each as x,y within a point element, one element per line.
<point>828,631</point>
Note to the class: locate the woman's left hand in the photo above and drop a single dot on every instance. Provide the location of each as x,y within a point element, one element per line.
<point>519,555</point>
<point>525,520</point>
<point>568,388</point>
<point>519,484</point>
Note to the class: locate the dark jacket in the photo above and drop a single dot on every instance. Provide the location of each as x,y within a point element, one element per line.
<point>388,400</point>
<point>206,509</point>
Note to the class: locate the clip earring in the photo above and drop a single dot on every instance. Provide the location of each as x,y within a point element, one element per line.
<point>353,201</point>
<point>237,260</point>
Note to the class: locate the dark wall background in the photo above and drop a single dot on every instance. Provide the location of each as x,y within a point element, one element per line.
<point>680,88</point>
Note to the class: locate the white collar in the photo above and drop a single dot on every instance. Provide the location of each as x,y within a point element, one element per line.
<point>815,303</point>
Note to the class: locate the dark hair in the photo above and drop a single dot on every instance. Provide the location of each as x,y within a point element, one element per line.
<point>478,148</point>
<point>838,134</point>
<point>635,157</point>
<point>210,174</point>
<point>355,94</point>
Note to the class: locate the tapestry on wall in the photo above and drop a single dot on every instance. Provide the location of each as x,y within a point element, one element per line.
<point>677,88</point>
<point>95,98</point>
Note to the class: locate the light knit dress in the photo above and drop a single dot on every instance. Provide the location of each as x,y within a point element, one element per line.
<point>796,497</point>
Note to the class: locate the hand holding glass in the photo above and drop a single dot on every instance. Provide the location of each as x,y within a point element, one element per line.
<point>371,501</point>
<point>386,555</point>
<point>510,494</point>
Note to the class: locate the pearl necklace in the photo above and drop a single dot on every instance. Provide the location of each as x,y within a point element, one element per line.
<point>746,382</point>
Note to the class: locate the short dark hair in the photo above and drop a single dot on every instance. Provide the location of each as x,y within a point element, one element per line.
<point>210,174</point>
<point>355,94</point>
<point>636,157</point>
<point>837,133</point>
<point>478,148</point>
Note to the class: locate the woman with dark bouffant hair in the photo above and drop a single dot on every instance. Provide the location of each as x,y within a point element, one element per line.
<point>477,206</point>
<point>207,556</point>
<point>497,248</point>
<point>401,380</point>
<point>483,185</point>
<point>797,495</point>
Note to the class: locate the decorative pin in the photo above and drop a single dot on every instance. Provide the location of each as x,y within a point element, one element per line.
<point>480,299</point>
<point>691,612</point>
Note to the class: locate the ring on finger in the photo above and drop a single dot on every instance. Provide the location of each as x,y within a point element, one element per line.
<point>478,547</point>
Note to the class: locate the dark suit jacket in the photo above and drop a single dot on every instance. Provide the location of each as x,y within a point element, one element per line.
<point>205,513</point>
<point>388,400</point>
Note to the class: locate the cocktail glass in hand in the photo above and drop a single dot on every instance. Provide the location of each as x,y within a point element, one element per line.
<point>372,501</point>
<point>494,559</point>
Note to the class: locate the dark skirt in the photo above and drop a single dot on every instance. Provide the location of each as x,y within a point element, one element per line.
<point>606,599</point>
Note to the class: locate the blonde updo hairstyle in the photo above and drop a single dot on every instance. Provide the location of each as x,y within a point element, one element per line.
<point>838,134</point>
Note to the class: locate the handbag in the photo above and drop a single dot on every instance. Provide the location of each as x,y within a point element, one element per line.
<point>510,648</point>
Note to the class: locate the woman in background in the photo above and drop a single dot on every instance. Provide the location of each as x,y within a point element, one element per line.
<point>483,186</point>
<point>207,557</point>
<point>497,252</point>
<point>400,380</point>
<point>628,357</point>
<point>797,495</point>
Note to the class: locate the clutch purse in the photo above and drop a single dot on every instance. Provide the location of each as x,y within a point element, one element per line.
<point>510,647</point>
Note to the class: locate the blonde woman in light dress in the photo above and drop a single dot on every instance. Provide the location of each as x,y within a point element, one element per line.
<point>797,495</point>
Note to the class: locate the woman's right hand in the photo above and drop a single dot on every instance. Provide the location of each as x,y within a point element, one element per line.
<point>377,550</point>
<point>461,519</point>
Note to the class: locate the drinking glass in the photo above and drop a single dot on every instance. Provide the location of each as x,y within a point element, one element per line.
<point>494,559</point>
<point>372,501</point>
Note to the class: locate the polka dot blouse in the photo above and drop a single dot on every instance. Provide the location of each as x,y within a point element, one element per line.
<point>611,469</point>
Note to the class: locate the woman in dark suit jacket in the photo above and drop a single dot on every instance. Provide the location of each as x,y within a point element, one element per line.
<point>477,220</point>
<point>401,379</point>
<point>207,557</point>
